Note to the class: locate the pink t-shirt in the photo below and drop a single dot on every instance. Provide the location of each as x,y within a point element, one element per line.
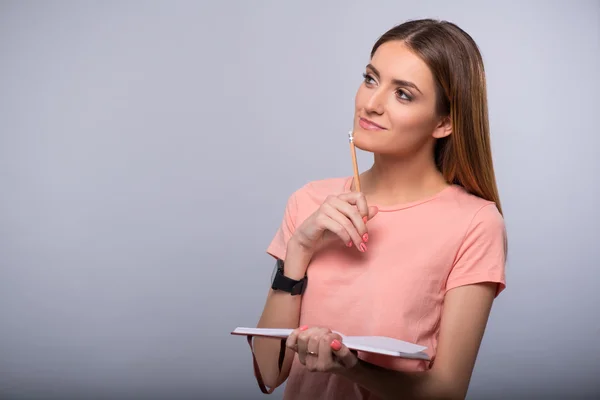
<point>416,253</point>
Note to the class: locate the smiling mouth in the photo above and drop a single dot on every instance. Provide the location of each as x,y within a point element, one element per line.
<point>369,125</point>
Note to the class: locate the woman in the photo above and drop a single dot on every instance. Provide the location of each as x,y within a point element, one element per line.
<point>418,254</point>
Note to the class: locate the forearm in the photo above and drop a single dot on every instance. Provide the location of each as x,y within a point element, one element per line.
<point>390,384</point>
<point>281,310</point>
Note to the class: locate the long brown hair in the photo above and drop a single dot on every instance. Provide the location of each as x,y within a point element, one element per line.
<point>464,157</point>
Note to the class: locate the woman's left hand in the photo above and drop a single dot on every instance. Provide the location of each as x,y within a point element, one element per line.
<point>319,349</point>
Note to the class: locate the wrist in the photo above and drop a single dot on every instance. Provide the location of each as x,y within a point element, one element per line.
<point>298,245</point>
<point>296,260</point>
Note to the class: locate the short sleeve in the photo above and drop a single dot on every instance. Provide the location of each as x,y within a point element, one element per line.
<point>278,246</point>
<point>482,254</point>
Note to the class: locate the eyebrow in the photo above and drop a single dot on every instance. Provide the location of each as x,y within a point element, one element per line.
<point>398,82</point>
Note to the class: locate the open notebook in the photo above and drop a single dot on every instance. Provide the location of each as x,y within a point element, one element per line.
<point>370,344</point>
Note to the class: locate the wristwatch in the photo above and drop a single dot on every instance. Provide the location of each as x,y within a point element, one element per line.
<point>286,284</point>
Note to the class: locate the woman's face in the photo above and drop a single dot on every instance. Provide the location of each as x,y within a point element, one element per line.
<point>395,106</point>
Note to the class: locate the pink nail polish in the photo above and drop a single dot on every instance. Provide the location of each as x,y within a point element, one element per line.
<point>365,237</point>
<point>303,327</point>
<point>336,345</point>
<point>365,220</point>
<point>349,244</point>
<point>363,247</point>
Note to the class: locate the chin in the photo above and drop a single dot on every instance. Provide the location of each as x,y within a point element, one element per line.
<point>367,141</point>
<point>364,145</point>
<point>375,146</point>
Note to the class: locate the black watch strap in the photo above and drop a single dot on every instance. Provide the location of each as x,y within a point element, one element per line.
<point>287,284</point>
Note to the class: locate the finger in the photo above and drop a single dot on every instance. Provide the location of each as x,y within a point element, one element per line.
<point>326,361</point>
<point>327,223</point>
<point>292,339</point>
<point>354,198</point>
<point>358,199</point>
<point>346,224</point>
<point>345,357</point>
<point>373,210</point>
<point>351,212</point>
<point>313,346</point>
<point>312,352</point>
<point>302,345</point>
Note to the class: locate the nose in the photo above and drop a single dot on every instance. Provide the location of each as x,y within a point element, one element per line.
<point>375,102</point>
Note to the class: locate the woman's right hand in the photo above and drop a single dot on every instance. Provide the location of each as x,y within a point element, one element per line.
<point>341,217</point>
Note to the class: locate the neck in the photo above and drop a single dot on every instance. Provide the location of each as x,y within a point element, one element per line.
<point>394,180</point>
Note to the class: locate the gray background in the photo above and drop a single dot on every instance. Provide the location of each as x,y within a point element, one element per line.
<point>147,150</point>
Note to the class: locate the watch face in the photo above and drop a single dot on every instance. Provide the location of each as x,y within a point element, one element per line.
<point>274,272</point>
<point>278,265</point>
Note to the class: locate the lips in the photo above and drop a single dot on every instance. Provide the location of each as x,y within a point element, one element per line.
<point>369,125</point>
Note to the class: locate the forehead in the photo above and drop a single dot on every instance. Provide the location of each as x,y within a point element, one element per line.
<point>394,60</point>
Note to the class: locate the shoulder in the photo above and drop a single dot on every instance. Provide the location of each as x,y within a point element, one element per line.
<point>471,220</point>
<point>482,225</point>
<point>482,243</point>
<point>474,209</point>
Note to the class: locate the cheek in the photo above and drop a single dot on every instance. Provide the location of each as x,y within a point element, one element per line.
<point>411,120</point>
<point>412,128</point>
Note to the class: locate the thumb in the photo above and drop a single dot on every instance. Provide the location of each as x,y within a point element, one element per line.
<point>345,357</point>
<point>373,210</point>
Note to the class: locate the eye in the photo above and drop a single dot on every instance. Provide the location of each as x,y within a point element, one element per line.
<point>403,95</point>
<point>368,79</point>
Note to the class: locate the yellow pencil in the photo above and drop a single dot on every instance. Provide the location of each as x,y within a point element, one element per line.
<point>354,163</point>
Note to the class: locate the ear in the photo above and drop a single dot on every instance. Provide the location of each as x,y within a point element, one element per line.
<point>444,128</point>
